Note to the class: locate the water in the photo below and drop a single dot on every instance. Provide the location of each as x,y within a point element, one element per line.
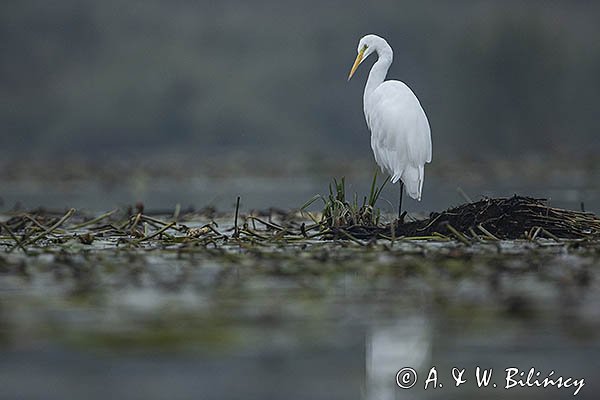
<point>322,321</point>
<point>286,192</point>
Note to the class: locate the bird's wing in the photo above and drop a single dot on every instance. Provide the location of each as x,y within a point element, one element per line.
<point>398,123</point>
<point>400,133</point>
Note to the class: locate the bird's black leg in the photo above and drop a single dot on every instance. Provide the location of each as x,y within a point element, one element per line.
<point>400,202</point>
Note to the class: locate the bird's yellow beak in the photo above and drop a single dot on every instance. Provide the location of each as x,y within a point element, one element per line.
<point>359,59</point>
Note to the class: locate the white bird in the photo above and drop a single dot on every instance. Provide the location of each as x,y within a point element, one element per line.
<point>400,133</point>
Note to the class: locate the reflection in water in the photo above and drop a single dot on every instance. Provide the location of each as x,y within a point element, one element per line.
<point>391,347</point>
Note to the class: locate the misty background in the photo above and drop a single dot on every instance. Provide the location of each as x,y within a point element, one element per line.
<point>509,87</point>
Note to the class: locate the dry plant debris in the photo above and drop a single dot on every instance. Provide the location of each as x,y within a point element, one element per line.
<point>490,219</point>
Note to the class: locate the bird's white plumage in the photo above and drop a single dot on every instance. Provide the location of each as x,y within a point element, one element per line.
<point>400,133</point>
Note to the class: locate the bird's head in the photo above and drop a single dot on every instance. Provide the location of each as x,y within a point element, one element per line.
<point>366,46</point>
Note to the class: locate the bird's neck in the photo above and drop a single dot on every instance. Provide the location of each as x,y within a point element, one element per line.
<point>379,70</point>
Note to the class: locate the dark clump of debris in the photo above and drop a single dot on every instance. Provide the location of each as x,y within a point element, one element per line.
<point>516,217</point>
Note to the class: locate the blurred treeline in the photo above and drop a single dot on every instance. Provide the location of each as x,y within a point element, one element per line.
<point>202,77</point>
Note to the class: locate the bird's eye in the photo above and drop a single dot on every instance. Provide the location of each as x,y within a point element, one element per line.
<point>365,47</point>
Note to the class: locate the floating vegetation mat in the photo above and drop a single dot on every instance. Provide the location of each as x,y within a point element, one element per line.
<point>485,220</point>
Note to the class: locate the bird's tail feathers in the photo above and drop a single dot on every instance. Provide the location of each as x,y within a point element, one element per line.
<point>413,180</point>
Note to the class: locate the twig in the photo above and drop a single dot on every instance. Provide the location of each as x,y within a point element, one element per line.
<point>251,233</point>
<point>458,235</point>
<point>537,231</point>
<point>265,223</point>
<point>155,234</point>
<point>136,221</point>
<point>487,233</point>
<point>158,221</point>
<point>61,221</point>
<point>431,237</point>
<point>12,235</point>
<point>551,235</point>
<point>352,238</point>
<point>95,220</point>
<point>35,222</point>
<point>236,232</point>
<point>474,234</point>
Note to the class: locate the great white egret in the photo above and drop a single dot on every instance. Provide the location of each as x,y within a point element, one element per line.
<point>400,133</point>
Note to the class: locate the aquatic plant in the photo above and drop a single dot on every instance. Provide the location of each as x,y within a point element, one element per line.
<point>339,212</point>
